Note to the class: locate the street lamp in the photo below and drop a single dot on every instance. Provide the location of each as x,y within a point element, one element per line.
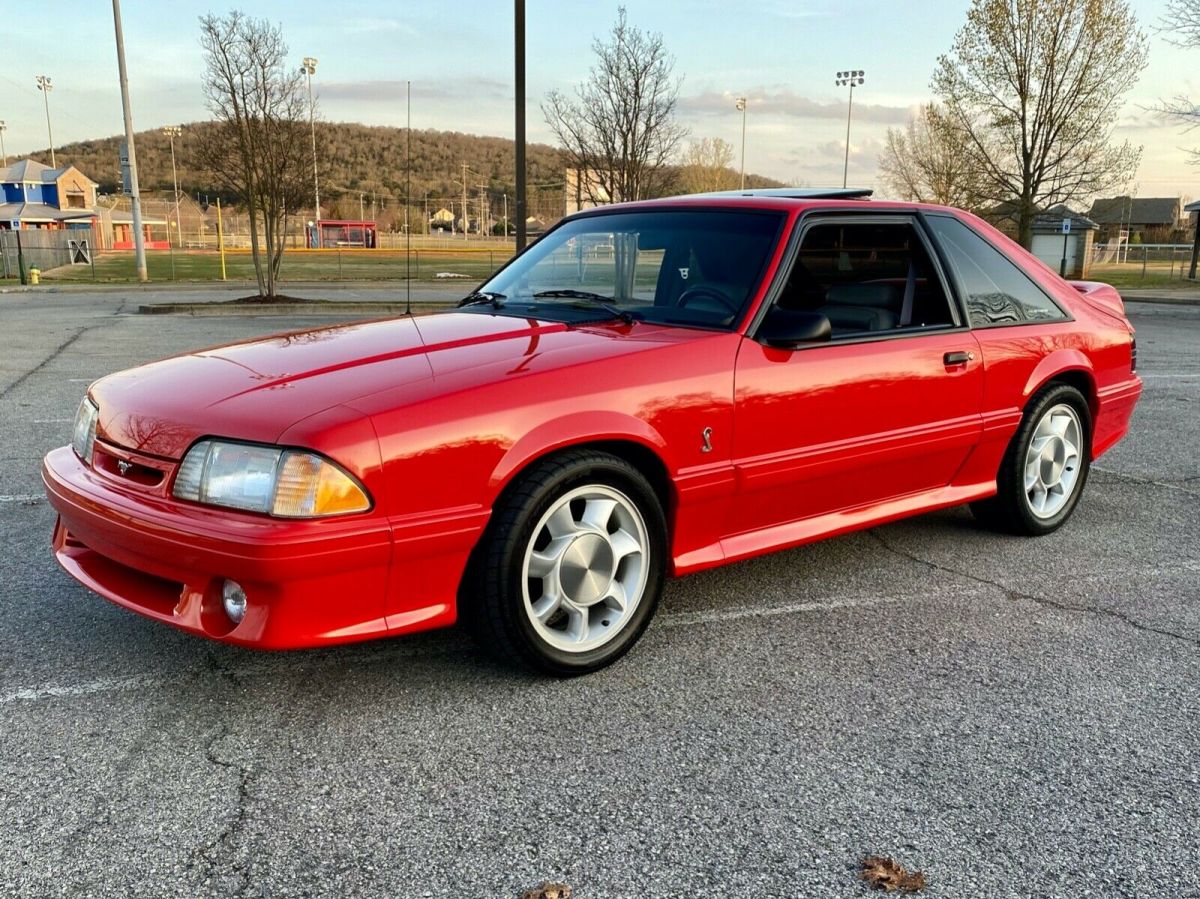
<point>3,152</point>
<point>741,106</point>
<point>309,67</point>
<point>45,86</point>
<point>172,132</point>
<point>850,79</point>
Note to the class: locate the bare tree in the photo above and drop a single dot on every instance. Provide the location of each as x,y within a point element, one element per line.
<point>259,149</point>
<point>1035,87</point>
<point>619,131</point>
<point>928,161</point>
<point>707,166</point>
<point>1180,25</point>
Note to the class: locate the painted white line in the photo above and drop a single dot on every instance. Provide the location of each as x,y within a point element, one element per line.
<point>101,685</point>
<point>51,421</point>
<point>21,497</point>
<point>80,380</point>
<point>678,619</point>
<point>717,616</point>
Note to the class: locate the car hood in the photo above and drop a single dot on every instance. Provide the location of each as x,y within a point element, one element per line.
<point>256,390</point>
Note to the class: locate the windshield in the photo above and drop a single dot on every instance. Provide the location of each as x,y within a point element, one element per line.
<point>697,268</point>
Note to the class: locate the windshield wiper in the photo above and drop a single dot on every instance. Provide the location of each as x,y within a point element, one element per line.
<point>594,299</point>
<point>479,297</point>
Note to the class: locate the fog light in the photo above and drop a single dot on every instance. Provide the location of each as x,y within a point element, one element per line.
<point>233,597</point>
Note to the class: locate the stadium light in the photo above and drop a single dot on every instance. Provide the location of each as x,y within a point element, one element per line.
<point>309,67</point>
<point>741,106</point>
<point>852,79</point>
<point>45,85</point>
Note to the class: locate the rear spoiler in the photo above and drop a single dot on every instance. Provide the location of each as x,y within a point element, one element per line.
<point>1102,295</point>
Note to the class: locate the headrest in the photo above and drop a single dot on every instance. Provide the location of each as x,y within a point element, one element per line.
<point>876,295</point>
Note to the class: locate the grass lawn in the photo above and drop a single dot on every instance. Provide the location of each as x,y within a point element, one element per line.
<point>298,265</point>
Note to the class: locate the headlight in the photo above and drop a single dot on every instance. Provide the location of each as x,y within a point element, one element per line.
<point>285,483</point>
<point>84,436</point>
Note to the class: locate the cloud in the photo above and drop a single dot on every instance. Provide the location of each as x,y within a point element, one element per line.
<point>377,25</point>
<point>384,91</point>
<point>788,103</point>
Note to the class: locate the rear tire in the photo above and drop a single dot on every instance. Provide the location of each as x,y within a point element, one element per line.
<point>571,567</point>
<point>1045,467</point>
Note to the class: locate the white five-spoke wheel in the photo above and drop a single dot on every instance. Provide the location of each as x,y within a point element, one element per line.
<point>1052,461</point>
<point>571,567</point>
<point>1045,467</point>
<point>585,568</point>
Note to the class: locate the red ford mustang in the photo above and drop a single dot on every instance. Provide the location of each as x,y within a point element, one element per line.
<point>649,390</point>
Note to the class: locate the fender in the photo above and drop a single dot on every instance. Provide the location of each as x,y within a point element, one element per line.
<point>1058,362</point>
<point>572,430</point>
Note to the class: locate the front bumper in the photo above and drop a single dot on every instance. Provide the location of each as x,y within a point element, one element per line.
<point>308,582</point>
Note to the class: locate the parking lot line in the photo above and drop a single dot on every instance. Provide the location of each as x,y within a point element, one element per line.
<point>39,692</point>
<point>21,497</point>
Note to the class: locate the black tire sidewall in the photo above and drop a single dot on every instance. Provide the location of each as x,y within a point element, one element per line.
<point>1012,487</point>
<point>519,516</point>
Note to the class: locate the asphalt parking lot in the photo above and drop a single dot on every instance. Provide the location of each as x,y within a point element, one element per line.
<point>1014,717</point>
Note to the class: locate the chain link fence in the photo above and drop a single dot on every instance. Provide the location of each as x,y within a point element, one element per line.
<point>27,253</point>
<point>1132,263</point>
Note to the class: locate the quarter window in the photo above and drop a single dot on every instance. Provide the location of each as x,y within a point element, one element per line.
<point>997,291</point>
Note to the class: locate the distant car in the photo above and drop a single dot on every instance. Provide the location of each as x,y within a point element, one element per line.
<point>742,373</point>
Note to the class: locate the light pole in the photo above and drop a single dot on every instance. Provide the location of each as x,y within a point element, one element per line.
<point>741,106</point>
<point>135,197</point>
<point>45,86</point>
<point>3,152</point>
<point>309,67</point>
<point>852,79</point>
<point>172,132</point>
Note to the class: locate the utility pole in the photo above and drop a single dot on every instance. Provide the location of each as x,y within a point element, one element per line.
<point>172,132</point>
<point>45,86</point>
<point>506,216</point>
<point>3,152</point>
<point>309,67</point>
<point>139,239</point>
<point>519,85</point>
<point>466,214</point>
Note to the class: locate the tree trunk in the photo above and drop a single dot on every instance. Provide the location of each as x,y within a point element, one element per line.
<point>252,216</point>
<point>1025,223</point>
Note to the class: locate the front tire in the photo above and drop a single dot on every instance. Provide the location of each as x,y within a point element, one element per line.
<point>572,565</point>
<point>1045,467</point>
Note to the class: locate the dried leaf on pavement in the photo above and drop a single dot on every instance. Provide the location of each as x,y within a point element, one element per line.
<point>885,874</point>
<point>548,890</point>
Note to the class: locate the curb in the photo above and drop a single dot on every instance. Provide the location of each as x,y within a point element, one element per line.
<point>376,310</point>
<point>1167,300</point>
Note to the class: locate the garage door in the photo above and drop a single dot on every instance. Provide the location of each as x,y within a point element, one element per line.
<point>1049,249</point>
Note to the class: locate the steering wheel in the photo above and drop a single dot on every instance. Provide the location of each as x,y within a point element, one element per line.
<point>705,292</point>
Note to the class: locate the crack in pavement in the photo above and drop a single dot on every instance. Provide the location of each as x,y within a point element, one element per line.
<point>54,354</point>
<point>1015,595</point>
<point>223,846</point>
<point>1148,482</point>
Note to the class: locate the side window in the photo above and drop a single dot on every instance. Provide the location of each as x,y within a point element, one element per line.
<point>998,292</point>
<point>867,276</point>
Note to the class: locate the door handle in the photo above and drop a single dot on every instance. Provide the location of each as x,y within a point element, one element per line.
<point>962,357</point>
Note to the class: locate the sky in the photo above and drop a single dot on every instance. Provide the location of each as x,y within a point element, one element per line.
<point>782,54</point>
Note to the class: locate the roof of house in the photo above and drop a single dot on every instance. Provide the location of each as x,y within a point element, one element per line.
<point>1192,207</point>
<point>1137,210</point>
<point>40,212</point>
<point>1052,219</point>
<point>31,170</point>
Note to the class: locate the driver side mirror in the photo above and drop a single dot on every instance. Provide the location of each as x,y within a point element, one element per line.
<point>791,328</point>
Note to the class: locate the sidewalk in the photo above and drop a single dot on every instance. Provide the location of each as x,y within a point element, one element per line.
<point>191,292</point>
<point>1179,296</point>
